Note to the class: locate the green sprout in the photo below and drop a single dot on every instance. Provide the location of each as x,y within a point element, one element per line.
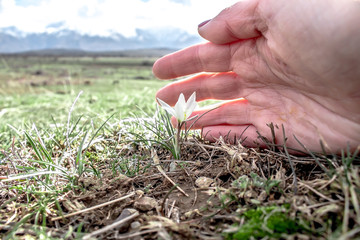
<point>182,111</point>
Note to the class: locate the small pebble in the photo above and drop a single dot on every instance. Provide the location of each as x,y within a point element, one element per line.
<point>262,197</point>
<point>135,225</point>
<point>146,204</point>
<point>204,182</point>
<point>173,166</point>
<point>124,214</point>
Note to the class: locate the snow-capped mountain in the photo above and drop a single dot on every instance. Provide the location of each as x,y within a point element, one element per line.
<point>58,36</point>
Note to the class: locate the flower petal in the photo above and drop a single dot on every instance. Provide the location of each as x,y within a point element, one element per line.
<point>166,107</point>
<point>180,108</point>
<point>191,109</point>
<point>191,100</point>
<point>191,105</point>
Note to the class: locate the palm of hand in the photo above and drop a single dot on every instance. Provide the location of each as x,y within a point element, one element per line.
<point>280,84</point>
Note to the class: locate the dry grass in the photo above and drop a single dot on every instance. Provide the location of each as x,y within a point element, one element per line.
<point>242,185</point>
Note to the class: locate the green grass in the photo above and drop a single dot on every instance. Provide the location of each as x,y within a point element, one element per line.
<point>261,222</point>
<point>41,90</point>
<point>77,132</point>
<point>56,113</point>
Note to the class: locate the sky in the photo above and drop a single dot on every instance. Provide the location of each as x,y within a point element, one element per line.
<point>104,17</point>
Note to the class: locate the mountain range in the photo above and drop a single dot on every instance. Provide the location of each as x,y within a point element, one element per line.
<point>12,40</point>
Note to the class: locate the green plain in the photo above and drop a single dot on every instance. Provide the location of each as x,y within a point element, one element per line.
<point>41,90</point>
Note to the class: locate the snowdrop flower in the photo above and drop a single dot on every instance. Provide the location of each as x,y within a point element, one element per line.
<point>182,109</point>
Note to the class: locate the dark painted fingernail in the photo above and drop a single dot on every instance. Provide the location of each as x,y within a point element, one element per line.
<point>203,23</point>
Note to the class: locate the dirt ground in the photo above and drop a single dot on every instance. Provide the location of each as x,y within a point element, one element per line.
<point>206,195</point>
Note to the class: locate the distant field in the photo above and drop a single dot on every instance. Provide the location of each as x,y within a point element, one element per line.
<point>40,90</point>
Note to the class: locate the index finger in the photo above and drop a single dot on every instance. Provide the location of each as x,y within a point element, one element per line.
<point>207,57</point>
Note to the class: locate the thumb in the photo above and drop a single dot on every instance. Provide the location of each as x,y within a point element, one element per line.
<point>240,21</point>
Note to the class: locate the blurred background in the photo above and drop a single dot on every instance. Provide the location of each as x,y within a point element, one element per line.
<point>103,25</point>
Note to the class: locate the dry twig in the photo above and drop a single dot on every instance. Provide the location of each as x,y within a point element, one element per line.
<point>157,162</point>
<point>111,226</point>
<point>317,193</point>
<point>94,207</point>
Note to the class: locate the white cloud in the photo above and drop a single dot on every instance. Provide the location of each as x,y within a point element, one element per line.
<point>105,16</point>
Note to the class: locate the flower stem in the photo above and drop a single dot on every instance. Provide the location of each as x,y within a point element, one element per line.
<point>177,140</point>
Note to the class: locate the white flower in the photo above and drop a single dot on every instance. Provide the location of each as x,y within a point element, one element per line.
<point>182,109</point>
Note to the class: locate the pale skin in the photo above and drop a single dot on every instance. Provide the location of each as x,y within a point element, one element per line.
<point>291,63</point>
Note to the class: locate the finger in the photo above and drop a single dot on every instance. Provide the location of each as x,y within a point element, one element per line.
<point>240,21</point>
<point>207,57</point>
<point>220,86</point>
<point>236,112</point>
<point>247,135</point>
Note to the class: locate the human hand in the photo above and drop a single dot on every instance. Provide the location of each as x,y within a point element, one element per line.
<point>293,63</point>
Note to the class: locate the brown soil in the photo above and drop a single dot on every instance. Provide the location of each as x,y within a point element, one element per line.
<point>204,213</point>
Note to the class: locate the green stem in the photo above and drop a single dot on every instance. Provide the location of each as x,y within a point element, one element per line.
<point>177,140</point>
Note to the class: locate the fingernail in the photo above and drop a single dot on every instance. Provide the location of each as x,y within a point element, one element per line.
<point>203,23</point>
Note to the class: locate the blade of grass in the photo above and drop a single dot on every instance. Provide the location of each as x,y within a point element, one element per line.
<point>78,161</point>
<point>98,130</point>
<point>69,117</point>
<point>18,177</point>
<point>34,147</point>
<point>290,162</point>
<point>315,158</point>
